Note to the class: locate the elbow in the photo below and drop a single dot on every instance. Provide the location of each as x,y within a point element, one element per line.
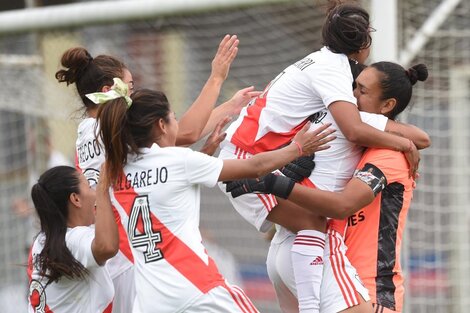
<point>423,144</point>
<point>353,135</point>
<point>344,210</point>
<point>108,249</point>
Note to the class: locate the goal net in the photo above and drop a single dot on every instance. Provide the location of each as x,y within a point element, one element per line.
<point>173,52</point>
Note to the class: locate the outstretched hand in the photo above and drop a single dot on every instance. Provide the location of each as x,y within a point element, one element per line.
<point>226,53</point>
<point>216,137</point>
<point>310,142</point>
<point>242,97</point>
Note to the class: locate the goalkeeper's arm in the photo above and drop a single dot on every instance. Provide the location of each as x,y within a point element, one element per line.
<point>359,192</point>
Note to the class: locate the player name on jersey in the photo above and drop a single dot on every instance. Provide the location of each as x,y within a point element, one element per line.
<point>88,150</point>
<point>143,179</point>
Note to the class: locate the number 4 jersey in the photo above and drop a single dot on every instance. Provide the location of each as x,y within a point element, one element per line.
<point>158,200</point>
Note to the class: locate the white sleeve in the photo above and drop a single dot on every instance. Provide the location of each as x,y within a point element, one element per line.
<point>203,169</point>
<point>78,240</point>
<point>333,84</point>
<point>377,121</point>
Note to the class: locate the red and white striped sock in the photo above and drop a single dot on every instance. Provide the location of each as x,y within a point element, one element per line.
<point>307,261</point>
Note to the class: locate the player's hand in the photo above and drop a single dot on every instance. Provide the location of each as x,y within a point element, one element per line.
<point>226,53</point>
<point>241,98</point>
<point>216,137</point>
<point>313,141</point>
<point>300,168</point>
<point>277,185</point>
<point>413,157</point>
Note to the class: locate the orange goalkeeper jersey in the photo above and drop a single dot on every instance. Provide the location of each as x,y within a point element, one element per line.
<point>374,234</point>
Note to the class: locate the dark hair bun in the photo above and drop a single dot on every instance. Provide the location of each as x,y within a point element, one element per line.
<point>75,60</point>
<point>417,72</point>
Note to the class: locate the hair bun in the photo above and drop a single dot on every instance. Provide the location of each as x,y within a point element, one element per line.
<point>75,60</point>
<point>417,72</point>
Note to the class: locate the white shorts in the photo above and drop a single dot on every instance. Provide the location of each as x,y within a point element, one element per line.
<point>252,207</point>
<point>227,298</point>
<point>281,273</point>
<point>341,285</point>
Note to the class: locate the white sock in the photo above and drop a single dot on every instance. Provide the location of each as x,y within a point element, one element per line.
<point>307,261</point>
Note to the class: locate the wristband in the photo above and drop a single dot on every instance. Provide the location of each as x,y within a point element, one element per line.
<point>299,147</point>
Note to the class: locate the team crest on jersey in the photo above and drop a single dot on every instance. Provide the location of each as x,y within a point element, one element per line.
<point>37,296</point>
<point>92,175</point>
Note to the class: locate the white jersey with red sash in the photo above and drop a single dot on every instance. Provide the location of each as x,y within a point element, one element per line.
<point>158,199</point>
<point>93,294</point>
<point>301,90</point>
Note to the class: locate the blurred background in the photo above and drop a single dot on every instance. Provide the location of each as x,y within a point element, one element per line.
<point>169,45</point>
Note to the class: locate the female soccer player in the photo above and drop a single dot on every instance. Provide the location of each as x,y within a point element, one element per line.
<point>66,266</point>
<point>156,192</point>
<point>318,88</point>
<point>374,204</point>
<point>94,74</point>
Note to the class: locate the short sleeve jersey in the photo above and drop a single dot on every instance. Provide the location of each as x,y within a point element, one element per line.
<point>89,151</point>
<point>158,199</point>
<point>92,295</point>
<point>374,234</point>
<point>302,89</point>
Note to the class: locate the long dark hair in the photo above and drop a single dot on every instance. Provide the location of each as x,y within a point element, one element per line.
<point>397,83</point>
<point>89,74</point>
<point>126,129</point>
<point>51,198</point>
<point>346,28</point>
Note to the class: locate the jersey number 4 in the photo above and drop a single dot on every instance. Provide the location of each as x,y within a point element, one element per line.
<point>140,230</point>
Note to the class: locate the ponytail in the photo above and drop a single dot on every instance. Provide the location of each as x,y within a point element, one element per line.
<point>51,199</point>
<point>114,133</point>
<point>125,129</point>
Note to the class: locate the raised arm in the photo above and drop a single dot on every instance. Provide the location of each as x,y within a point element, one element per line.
<point>106,242</point>
<point>195,119</point>
<point>304,143</point>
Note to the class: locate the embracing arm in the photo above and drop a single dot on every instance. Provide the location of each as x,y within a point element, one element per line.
<point>337,205</point>
<point>195,119</point>
<point>419,137</point>
<point>106,242</point>
<point>347,117</point>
